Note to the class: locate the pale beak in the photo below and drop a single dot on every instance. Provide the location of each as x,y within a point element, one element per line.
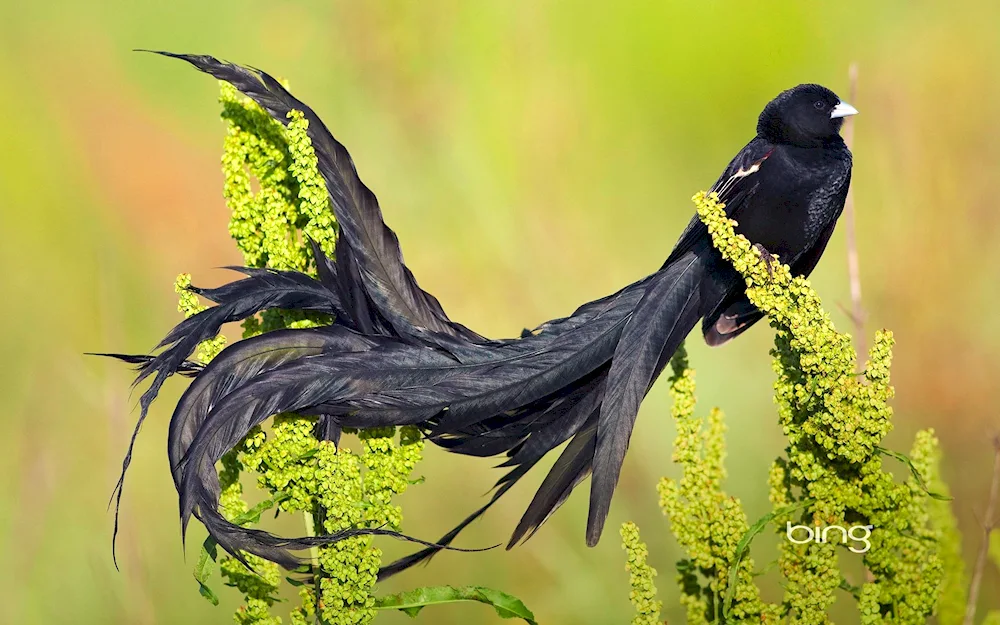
<point>843,109</point>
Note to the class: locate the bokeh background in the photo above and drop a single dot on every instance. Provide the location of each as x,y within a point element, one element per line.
<point>531,156</point>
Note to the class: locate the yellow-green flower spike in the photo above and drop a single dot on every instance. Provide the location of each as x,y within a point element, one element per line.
<point>835,421</point>
<point>271,220</point>
<point>255,612</point>
<point>707,523</point>
<point>351,565</point>
<point>831,474</point>
<point>189,305</point>
<point>643,595</point>
<point>278,198</point>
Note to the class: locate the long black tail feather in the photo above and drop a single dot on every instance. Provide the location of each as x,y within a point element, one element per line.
<point>240,363</point>
<point>506,483</point>
<point>374,246</point>
<point>187,368</point>
<point>263,289</point>
<point>667,313</point>
<point>562,420</point>
<point>573,465</point>
<point>393,357</point>
<point>236,540</point>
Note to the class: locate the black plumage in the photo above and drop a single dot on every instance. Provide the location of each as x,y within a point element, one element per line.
<point>393,357</point>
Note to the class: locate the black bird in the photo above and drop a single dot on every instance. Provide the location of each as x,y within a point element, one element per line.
<point>393,357</point>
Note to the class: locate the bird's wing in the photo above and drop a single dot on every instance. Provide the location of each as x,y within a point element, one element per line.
<point>804,263</point>
<point>734,187</point>
<point>374,247</point>
<point>737,314</point>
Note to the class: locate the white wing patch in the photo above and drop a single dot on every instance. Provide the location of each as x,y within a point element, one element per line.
<point>742,173</point>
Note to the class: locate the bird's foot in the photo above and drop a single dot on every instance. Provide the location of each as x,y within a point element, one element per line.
<point>767,257</point>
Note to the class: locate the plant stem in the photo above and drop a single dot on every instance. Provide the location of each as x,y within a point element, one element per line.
<point>310,522</point>
<point>857,313</point>
<point>988,526</point>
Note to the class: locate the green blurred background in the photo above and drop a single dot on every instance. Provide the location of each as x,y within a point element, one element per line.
<point>531,156</point>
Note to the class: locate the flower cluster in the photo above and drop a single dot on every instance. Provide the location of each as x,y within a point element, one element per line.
<point>344,480</point>
<point>188,305</point>
<point>270,225</point>
<point>641,575</point>
<point>830,474</point>
<point>713,523</point>
<point>278,198</point>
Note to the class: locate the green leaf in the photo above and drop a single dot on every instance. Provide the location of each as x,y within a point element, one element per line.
<point>411,602</point>
<point>209,552</point>
<point>743,547</point>
<point>913,470</point>
<point>207,593</point>
<point>848,587</point>
<point>308,455</point>
<point>203,570</point>
<point>773,564</point>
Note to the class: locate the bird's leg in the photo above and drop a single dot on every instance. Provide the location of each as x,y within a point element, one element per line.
<point>767,257</point>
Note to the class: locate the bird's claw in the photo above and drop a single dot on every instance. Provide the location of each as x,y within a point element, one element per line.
<point>767,257</point>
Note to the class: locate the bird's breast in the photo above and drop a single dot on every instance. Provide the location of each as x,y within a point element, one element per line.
<point>788,212</point>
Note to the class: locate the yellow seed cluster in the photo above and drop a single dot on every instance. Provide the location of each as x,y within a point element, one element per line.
<point>188,304</point>
<point>278,198</point>
<point>350,566</point>
<point>255,612</point>
<point>305,614</point>
<point>316,216</point>
<point>831,473</point>
<point>835,420</point>
<point>707,523</point>
<point>356,490</point>
<point>389,467</point>
<point>643,595</point>
<point>954,582</point>
<point>281,461</point>
<point>258,587</point>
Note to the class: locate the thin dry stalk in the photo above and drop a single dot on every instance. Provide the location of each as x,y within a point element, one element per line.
<point>989,524</point>
<point>857,312</point>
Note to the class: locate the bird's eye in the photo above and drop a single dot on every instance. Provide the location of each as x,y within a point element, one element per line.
<point>819,105</point>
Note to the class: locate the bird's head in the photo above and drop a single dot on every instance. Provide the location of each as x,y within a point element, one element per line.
<point>806,116</point>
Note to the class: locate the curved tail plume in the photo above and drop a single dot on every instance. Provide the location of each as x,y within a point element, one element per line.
<point>393,357</point>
